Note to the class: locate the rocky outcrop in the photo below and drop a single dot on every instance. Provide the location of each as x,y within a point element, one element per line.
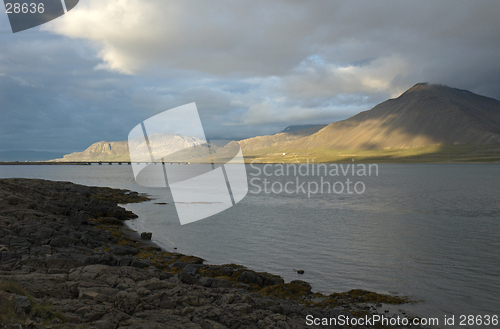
<point>66,263</point>
<point>162,143</point>
<point>101,151</point>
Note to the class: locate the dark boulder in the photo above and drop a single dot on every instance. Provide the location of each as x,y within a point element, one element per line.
<point>146,235</point>
<point>62,241</point>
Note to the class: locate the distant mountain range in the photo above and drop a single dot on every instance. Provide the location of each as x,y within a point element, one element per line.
<point>424,115</point>
<point>174,144</point>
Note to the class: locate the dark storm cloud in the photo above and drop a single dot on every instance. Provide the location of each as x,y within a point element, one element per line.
<point>52,99</point>
<point>252,67</point>
<point>262,38</point>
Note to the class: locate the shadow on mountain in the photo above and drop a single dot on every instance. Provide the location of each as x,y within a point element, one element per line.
<point>408,127</point>
<point>424,115</point>
<point>426,123</point>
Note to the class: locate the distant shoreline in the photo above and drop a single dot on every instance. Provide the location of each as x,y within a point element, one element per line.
<point>41,163</point>
<point>463,153</point>
<point>264,161</point>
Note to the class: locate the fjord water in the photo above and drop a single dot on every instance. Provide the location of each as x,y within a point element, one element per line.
<point>430,231</point>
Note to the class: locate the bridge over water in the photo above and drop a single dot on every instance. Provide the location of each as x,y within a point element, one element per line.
<point>81,163</point>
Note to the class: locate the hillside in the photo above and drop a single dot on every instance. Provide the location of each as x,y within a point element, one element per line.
<point>424,115</point>
<point>277,140</point>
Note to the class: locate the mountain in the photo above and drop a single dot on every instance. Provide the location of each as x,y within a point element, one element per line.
<point>101,151</point>
<point>277,140</point>
<point>424,115</point>
<point>28,155</point>
<point>119,151</point>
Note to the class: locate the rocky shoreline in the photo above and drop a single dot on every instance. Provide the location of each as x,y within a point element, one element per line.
<point>67,261</point>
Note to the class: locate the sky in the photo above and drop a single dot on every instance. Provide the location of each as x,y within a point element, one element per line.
<point>252,67</point>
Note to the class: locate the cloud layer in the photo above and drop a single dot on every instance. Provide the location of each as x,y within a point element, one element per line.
<point>253,67</point>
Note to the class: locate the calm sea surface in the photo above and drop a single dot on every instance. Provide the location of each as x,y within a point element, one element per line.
<point>430,231</point>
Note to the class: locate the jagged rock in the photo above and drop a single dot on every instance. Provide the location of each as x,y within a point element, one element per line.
<point>6,256</point>
<point>127,302</point>
<point>125,261</point>
<point>155,284</point>
<point>124,250</point>
<point>215,282</point>
<point>178,264</point>
<point>140,263</point>
<point>22,304</point>
<point>188,279</point>
<point>62,241</point>
<point>59,263</point>
<point>191,269</point>
<point>250,277</point>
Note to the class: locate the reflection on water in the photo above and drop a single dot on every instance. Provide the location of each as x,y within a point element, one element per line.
<point>428,231</point>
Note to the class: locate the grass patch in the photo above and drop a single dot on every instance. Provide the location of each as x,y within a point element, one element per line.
<point>9,314</point>
<point>107,221</point>
<point>364,296</point>
<point>13,288</point>
<point>295,290</point>
<point>427,154</point>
